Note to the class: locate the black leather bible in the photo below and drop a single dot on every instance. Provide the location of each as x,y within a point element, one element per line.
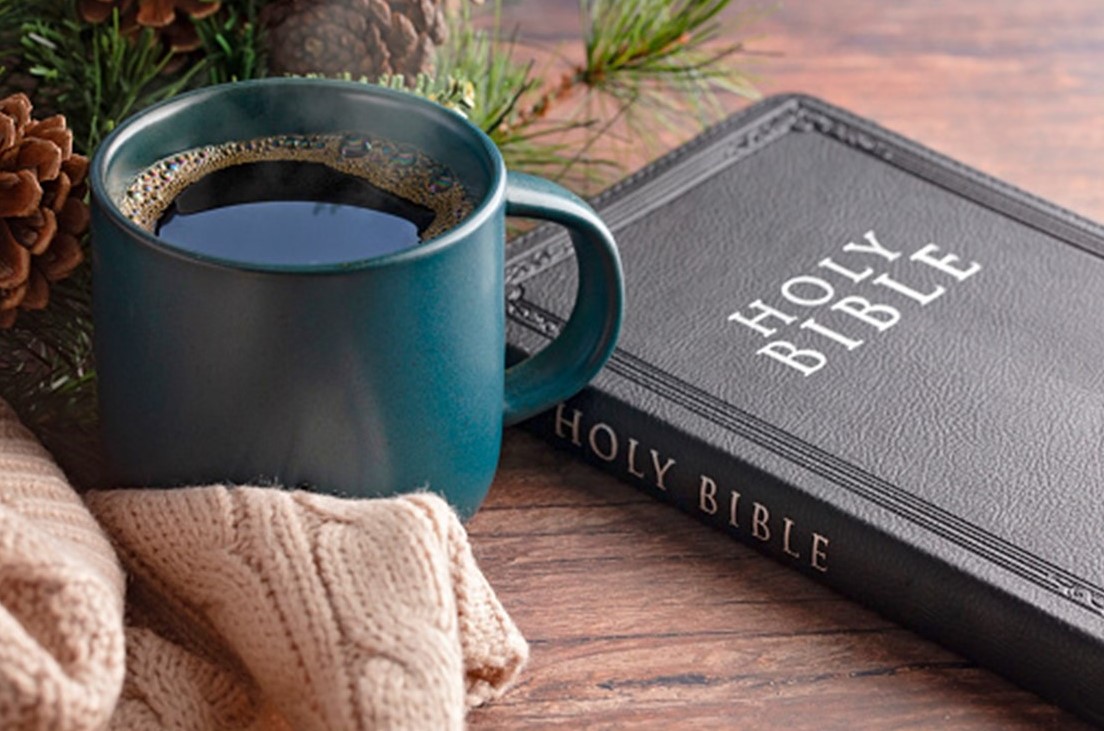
<point>880,366</point>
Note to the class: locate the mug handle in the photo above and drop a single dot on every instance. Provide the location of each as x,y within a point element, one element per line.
<point>586,341</point>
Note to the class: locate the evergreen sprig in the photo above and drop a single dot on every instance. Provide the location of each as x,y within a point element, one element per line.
<point>648,65</point>
<point>233,45</point>
<point>661,57</point>
<point>650,41</point>
<point>48,375</point>
<point>504,87</point>
<point>13,13</point>
<point>97,75</point>
<point>456,93</point>
<point>486,59</point>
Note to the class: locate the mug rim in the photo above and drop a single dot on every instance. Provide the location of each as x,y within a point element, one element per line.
<point>132,125</point>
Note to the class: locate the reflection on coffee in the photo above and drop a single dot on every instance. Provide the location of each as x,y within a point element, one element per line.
<point>298,199</point>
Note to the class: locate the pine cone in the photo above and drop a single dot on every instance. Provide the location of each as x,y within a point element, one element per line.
<point>367,38</point>
<point>171,19</point>
<point>42,208</point>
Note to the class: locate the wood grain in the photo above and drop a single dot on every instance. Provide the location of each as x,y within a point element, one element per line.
<point>641,618</point>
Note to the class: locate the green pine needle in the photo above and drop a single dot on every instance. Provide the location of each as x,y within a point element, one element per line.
<point>97,75</point>
<point>233,44</point>
<point>46,359</point>
<point>485,58</point>
<point>659,58</point>
<point>650,67</point>
<point>13,14</point>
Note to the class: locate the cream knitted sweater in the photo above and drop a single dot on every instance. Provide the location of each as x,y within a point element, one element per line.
<point>247,608</point>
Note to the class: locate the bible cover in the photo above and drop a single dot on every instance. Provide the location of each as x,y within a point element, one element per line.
<point>876,364</point>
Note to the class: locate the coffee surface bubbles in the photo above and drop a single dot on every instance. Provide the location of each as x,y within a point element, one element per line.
<point>292,199</point>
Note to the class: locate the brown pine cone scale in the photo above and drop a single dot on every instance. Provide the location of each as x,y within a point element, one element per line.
<point>20,193</point>
<point>42,208</point>
<point>15,260</point>
<point>171,19</point>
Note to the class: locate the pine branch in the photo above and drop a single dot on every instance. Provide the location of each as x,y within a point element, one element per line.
<point>485,58</point>
<point>674,49</point>
<point>448,91</point>
<point>98,76</point>
<point>503,85</point>
<point>233,44</point>
<point>650,65</point>
<point>13,14</point>
<point>46,359</point>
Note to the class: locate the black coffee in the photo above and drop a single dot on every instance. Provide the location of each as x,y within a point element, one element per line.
<point>288,200</point>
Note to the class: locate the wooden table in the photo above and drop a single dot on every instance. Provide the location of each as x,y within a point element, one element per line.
<point>639,617</point>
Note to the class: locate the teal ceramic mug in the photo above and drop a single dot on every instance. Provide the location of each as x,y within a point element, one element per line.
<point>361,377</point>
